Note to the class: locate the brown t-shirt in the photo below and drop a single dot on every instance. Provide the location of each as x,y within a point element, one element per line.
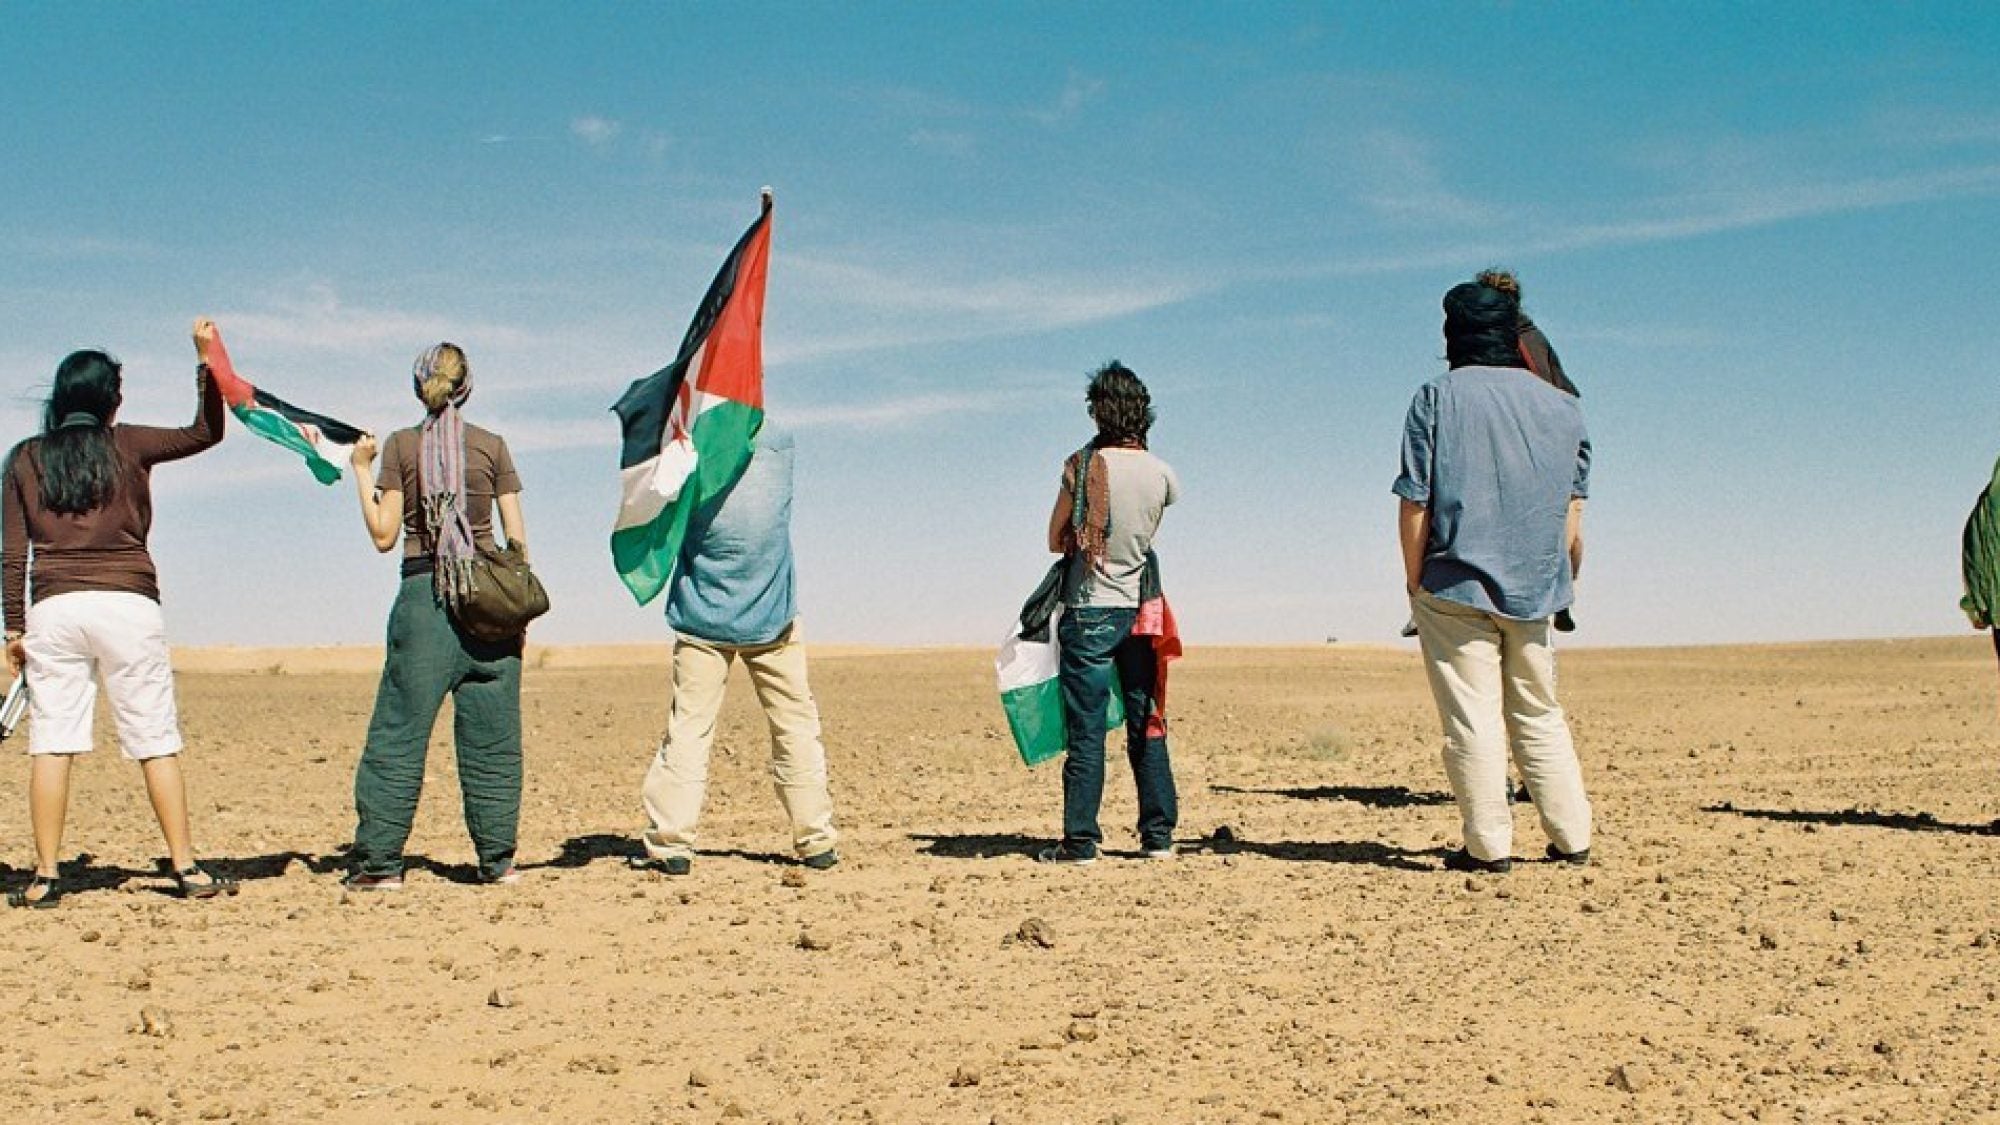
<point>104,548</point>
<point>489,473</point>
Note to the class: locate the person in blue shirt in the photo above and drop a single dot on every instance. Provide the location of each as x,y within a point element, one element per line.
<point>732,597</point>
<point>1495,470</point>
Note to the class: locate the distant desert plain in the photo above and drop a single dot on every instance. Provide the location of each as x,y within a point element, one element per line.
<point>1793,913</point>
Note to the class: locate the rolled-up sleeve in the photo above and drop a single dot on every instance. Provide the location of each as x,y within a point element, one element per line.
<point>1579,489</point>
<point>1419,442</point>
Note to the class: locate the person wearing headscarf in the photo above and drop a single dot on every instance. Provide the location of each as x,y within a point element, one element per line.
<point>1114,492</point>
<point>1495,470</point>
<point>78,508</point>
<point>442,483</point>
<point>1539,356</point>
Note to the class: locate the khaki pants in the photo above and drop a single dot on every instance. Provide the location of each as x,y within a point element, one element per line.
<point>1494,679</point>
<point>677,783</point>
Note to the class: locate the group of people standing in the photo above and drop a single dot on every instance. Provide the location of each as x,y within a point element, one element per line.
<point>1495,467</point>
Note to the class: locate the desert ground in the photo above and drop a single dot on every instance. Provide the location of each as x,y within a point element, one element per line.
<point>1792,914</point>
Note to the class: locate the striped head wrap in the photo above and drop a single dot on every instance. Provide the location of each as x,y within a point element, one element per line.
<point>441,469</point>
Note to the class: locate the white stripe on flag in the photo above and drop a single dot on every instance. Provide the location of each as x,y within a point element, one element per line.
<point>648,487</point>
<point>1027,663</point>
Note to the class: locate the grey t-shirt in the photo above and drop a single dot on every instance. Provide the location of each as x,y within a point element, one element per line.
<point>1141,487</point>
<point>1496,455</point>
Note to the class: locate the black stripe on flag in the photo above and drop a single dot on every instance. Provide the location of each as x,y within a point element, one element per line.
<point>336,431</point>
<point>643,408</point>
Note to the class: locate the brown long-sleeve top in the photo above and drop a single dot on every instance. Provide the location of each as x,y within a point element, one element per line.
<point>104,548</point>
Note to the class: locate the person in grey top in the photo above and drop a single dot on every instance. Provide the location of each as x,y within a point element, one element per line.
<point>1495,470</point>
<point>1113,493</point>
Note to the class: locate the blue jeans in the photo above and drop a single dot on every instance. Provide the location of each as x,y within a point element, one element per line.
<point>1094,640</point>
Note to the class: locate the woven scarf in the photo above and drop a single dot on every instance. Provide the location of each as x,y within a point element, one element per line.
<point>1090,500</point>
<point>441,471</point>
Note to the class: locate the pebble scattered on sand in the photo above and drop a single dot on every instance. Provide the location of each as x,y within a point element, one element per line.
<point>1631,1077</point>
<point>155,1022</point>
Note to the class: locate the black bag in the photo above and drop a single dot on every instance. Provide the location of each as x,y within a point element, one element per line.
<point>504,595</point>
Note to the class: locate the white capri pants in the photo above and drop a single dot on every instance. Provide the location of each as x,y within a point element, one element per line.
<point>71,639</point>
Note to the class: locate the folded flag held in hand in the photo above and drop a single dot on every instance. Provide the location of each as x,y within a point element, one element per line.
<point>321,440</point>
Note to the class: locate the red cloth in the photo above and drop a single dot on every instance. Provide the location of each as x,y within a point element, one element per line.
<point>1156,620</point>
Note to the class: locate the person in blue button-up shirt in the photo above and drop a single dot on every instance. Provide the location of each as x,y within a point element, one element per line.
<point>732,596</point>
<point>1495,469</point>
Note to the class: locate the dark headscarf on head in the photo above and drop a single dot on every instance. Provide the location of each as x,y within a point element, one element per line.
<point>1482,327</point>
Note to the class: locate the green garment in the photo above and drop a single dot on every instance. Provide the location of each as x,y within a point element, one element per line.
<point>1981,557</point>
<point>427,660</point>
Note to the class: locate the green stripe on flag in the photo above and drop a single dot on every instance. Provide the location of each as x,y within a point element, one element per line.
<point>1035,718</point>
<point>275,427</point>
<point>646,555</point>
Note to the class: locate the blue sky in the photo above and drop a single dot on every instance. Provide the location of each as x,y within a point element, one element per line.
<point>1764,238</point>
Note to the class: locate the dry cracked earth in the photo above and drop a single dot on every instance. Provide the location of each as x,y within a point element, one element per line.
<point>1792,915</point>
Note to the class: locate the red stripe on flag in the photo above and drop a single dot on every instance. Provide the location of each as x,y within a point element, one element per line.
<point>234,390</point>
<point>732,362</point>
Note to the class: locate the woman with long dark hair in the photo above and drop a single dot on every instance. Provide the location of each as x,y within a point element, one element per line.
<point>1113,493</point>
<point>442,483</point>
<point>75,509</point>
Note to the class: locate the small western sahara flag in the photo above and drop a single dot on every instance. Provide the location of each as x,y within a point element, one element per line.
<point>689,427</point>
<point>321,440</point>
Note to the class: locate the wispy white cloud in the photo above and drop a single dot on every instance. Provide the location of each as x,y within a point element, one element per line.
<point>909,102</point>
<point>945,142</point>
<point>1078,91</point>
<point>880,307</point>
<point>544,435</point>
<point>1398,176</point>
<point>84,247</point>
<point>595,131</point>
<point>319,320</point>
<point>901,413</point>
<point>1693,214</point>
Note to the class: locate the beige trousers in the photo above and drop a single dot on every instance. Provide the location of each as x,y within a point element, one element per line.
<point>1494,679</point>
<point>677,782</point>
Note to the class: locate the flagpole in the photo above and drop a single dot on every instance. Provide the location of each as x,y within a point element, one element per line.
<point>765,192</point>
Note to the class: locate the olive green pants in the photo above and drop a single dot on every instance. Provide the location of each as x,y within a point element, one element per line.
<point>427,660</point>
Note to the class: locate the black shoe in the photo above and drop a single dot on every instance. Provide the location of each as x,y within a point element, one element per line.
<point>1564,623</point>
<point>672,865</point>
<point>199,882</point>
<point>1574,859</point>
<point>1462,860</point>
<point>820,861</point>
<point>27,898</point>
<point>1064,854</point>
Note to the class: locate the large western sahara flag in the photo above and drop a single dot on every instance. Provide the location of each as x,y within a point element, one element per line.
<point>321,440</point>
<point>689,426</point>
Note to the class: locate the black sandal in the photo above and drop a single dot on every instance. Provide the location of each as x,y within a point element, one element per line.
<point>212,885</point>
<point>52,893</point>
